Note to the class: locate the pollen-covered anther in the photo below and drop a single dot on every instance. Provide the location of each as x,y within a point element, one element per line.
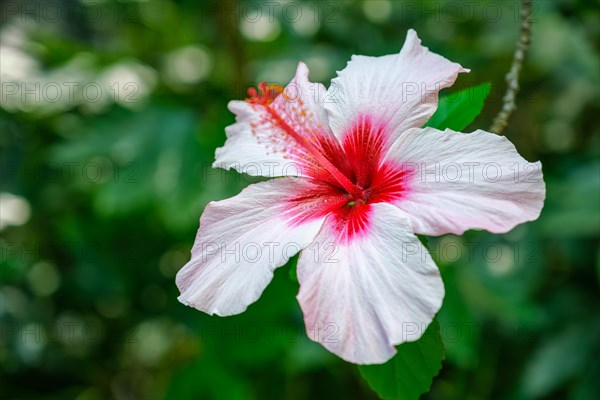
<point>264,95</point>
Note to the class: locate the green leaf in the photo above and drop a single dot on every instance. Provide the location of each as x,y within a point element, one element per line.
<point>409,374</point>
<point>457,110</point>
<point>292,268</point>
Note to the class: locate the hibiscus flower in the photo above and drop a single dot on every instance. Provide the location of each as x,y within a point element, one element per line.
<point>355,179</point>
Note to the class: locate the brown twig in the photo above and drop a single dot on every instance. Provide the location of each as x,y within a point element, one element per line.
<point>512,78</point>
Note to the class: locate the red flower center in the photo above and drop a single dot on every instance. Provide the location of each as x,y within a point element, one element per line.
<point>348,177</point>
<point>360,160</point>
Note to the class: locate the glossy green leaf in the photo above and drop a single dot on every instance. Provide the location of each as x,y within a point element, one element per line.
<point>409,374</point>
<point>457,110</point>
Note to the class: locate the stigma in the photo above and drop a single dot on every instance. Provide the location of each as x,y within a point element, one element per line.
<point>264,95</point>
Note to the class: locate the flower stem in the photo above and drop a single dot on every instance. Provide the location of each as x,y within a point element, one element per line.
<point>512,78</point>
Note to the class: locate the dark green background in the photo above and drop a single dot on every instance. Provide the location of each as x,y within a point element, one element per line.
<point>115,185</point>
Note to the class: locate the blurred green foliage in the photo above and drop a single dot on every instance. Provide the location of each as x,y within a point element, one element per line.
<point>105,170</point>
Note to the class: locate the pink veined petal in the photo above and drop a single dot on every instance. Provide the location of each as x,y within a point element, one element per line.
<point>461,181</point>
<point>396,92</point>
<point>288,137</point>
<point>240,242</point>
<point>362,297</point>
<point>247,151</point>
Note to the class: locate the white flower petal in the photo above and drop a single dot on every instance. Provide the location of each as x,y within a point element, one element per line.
<point>240,242</point>
<point>462,181</point>
<point>284,138</point>
<point>362,297</point>
<point>246,150</point>
<point>397,92</point>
